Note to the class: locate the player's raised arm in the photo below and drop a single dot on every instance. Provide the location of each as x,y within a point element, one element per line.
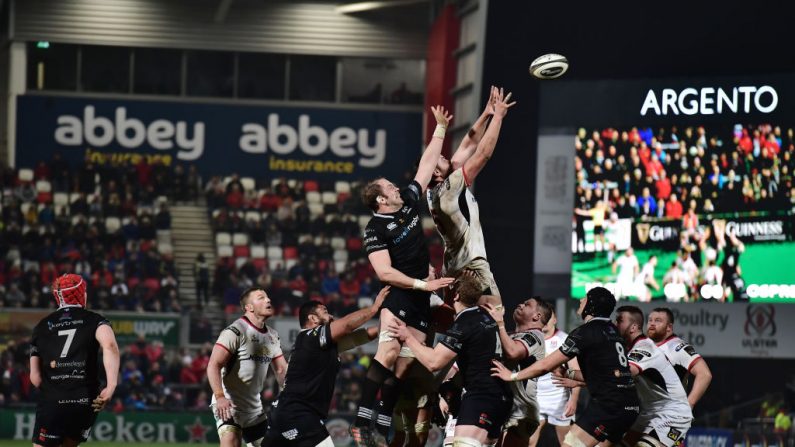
<point>543,366</point>
<point>485,149</point>
<point>475,133</point>
<point>111,361</point>
<point>431,155</point>
<point>344,331</point>
<point>512,349</point>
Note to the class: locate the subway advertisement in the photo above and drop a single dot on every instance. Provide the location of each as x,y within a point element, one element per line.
<point>252,140</point>
<point>681,189</point>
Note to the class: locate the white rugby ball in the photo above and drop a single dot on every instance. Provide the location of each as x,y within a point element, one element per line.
<point>549,66</point>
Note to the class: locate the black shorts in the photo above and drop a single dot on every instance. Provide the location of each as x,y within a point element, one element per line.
<point>606,423</point>
<point>294,425</point>
<point>57,422</point>
<point>487,411</point>
<point>413,307</point>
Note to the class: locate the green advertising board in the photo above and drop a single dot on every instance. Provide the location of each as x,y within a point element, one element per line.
<point>129,326</point>
<point>159,427</point>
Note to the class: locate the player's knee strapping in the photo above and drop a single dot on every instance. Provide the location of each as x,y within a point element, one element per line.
<point>406,352</point>
<point>463,441</point>
<point>572,440</point>
<point>422,427</point>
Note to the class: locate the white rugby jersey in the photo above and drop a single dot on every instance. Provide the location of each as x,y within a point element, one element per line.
<point>525,391</point>
<point>253,349</point>
<point>457,217</point>
<point>545,389</point>
<point>681,355</point>
<point>659,389</point>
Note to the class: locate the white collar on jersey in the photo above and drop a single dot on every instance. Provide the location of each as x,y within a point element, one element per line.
<point>69,305</point>
<point>465,310</point>
<point>383,215</point>
<point>598,318</point>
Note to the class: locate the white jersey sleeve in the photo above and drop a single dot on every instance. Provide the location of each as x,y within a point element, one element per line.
<point>552,399</point>
<point>660,391</point>
<point>680,353</point>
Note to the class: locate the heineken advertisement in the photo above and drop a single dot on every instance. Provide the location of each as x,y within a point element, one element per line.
<point>164,427</point>
<point>127,326</point>
<point>125,427</point>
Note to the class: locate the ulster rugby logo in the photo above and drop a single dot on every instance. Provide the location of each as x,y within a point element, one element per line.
<point>760,320</point>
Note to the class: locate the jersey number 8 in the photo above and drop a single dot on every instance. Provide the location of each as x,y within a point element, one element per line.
<point>622,358</point>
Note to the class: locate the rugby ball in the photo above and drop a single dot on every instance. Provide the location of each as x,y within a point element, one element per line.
<point>549,66</point>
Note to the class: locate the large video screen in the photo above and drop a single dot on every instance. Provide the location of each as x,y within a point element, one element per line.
<point>687,197</point>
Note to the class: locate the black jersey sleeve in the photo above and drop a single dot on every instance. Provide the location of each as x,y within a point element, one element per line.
<point>34,342</point>
<point>411,194</point>
<point>321,337</point>
<point>455,337</point>
<point>575,343</point>
<point>374,240</point>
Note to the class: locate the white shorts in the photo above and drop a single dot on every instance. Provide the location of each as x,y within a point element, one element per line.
<point>553,412</point>
<point>670,431</point>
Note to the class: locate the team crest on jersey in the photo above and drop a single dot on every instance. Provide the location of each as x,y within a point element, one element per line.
<point>391,226</point>
<point>484,419</point>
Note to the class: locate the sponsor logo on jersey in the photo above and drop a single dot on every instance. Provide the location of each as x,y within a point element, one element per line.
<point>680,346</point>
<point>391,226</point>
<point>484,419</point>
<point>76,364</point>
<point>290,434</point>
<point>51,325</point>
<point>235,330</point>
<point>642,352</point>
<point>674,434</point>
<point>84,400</point>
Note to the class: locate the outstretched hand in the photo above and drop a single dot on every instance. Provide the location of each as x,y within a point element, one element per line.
<point>499,370</point>
<point>497,312</point>
<point>442,116</point>
<point>502,103</point>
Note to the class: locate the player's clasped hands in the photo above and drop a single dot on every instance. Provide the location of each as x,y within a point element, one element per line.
<point>499,370</point>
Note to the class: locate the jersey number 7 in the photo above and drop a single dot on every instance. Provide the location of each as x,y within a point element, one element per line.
<point>70,336</point>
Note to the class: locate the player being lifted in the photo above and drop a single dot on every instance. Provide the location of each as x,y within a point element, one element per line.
<point>63,366</point>
<point>520,350</point>
<point>398,252</point>
<point>600,352</point>
<point>237,369</point>
<point>298,419</point>
<point>453,206</point>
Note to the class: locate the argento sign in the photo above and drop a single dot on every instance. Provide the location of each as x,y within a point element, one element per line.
<point>710,101</point>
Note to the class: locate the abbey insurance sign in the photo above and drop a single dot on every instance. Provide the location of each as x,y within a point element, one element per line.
<point>253,140</point>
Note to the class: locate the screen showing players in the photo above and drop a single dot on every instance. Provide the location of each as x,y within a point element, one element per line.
<point>687,197</point>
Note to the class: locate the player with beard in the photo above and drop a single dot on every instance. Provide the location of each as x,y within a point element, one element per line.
<point>665,415</point>
<point>600,353</point>
<point>298,419</point>
<point>474,341</point>
<point>454,208</point>
<point>521,349</point>
<point>63,366</point>
<point>397,250</point>
<point>681,354</point>
<point>237,368</point>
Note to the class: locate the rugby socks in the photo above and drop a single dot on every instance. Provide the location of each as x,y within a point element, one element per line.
<point>390,392</point>
<point>376,375</point>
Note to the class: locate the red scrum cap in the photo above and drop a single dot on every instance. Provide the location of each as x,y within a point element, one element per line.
<point>69,289</point>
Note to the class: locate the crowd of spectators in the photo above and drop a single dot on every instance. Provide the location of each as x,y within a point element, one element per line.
<point>318,242</point>
<point>110,224</point>
<point>638,173</point>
